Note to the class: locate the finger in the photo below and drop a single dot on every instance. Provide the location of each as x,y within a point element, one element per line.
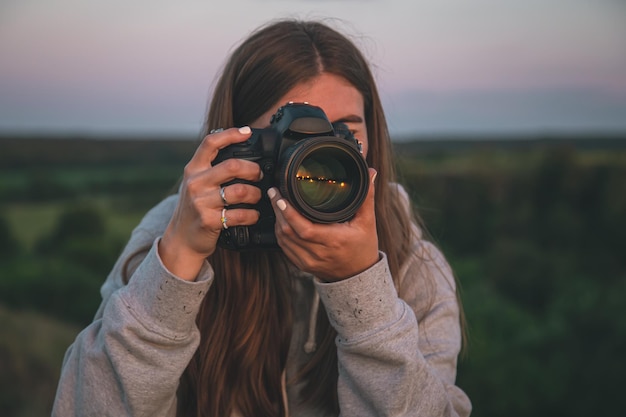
<point>238,193</point>
<point>212,143</point>
<point>278,205</point>
<point>208,181</point>
<point>366,213</point>
<point>238,217</point>
<point>236,168</point>
<point>291,223</point>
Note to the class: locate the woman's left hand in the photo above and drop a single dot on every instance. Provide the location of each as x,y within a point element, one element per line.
<point>331,252</point>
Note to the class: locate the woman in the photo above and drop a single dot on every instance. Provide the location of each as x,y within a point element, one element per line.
<point>188,328</point>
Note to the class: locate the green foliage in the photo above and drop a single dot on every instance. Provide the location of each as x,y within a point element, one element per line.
<point>59,287</point>
<point>78,222</point>
<point>537,249</point>
<point>31,350</point>
<point>62,276</point>
<point>533,230</point>
<point>9,245</point>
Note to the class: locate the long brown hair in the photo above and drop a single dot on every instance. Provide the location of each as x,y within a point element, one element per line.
<point>245,320</point>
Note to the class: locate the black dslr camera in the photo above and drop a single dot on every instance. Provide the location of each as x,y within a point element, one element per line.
<point>317,166</point>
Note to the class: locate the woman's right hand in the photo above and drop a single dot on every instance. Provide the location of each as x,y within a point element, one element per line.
<point>196,224</point>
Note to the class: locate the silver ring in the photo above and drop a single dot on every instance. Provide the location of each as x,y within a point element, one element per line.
<point>218,130</point>
<point>223,197</point>
<point>224,219</point>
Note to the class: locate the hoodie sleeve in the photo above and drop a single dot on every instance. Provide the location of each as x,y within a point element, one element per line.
<point>398,348</point>
<point>129,360</point>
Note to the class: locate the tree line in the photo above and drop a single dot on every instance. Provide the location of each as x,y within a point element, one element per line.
<point>534,235</point>
<point>538,250</point>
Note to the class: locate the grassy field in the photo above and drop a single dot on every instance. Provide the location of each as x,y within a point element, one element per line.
<point>32,346</point>
<point>533,228</point>
<point>31,222</point>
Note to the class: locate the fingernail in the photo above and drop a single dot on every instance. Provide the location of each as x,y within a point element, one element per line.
<point>261,176</point>
<point>374,177</point>
<point>281,204</point>
<point>245,130</point>
<point>271,193</point>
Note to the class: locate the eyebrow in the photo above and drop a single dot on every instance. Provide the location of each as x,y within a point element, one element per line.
<point>353,118</point>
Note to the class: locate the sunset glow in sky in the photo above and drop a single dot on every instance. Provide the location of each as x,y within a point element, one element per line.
<point>443,66</point>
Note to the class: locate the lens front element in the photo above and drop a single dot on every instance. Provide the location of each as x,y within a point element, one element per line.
<point>325,178</point>
<point>322,181</point>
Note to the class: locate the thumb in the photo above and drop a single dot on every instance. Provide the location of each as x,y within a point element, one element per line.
<point>366,212</point>
<point>373,173</point>
<point>372,190</point>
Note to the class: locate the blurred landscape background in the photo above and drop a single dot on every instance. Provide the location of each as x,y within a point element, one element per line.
<point>534,229</point>
<point>509,122</point>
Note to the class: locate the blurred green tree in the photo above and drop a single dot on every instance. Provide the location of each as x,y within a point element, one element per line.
<point>9,244</point>
<point>63,275</point>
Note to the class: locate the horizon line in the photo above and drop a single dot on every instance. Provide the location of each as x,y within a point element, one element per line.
<point>606,133</point>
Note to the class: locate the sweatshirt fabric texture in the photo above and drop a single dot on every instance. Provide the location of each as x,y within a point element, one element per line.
<point>397,346</point>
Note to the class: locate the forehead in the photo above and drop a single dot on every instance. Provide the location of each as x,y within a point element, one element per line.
<point>335,95</point>
<point>330,92</point>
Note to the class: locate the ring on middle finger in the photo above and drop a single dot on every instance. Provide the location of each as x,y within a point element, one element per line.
<point>223,196</point>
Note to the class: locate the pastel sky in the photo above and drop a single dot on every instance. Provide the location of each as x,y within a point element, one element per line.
<point>443,66</point>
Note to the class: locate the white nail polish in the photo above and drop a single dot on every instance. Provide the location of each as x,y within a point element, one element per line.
<point>245,130</point>
<point>271,193</point>
<point>281,205</point>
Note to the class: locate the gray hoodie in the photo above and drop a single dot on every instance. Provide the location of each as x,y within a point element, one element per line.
<point>397,347</point>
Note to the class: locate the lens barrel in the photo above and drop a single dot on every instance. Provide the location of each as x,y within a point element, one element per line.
<point>325,178</point>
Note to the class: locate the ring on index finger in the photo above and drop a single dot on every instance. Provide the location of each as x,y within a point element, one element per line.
<point>218,130</point>
<point>223,197</point>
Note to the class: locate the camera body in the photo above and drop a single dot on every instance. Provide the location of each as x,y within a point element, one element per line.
<point>317,166</point>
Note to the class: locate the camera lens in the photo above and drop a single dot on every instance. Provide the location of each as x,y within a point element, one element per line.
<point>325,178</point>
<point>322,181</point>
